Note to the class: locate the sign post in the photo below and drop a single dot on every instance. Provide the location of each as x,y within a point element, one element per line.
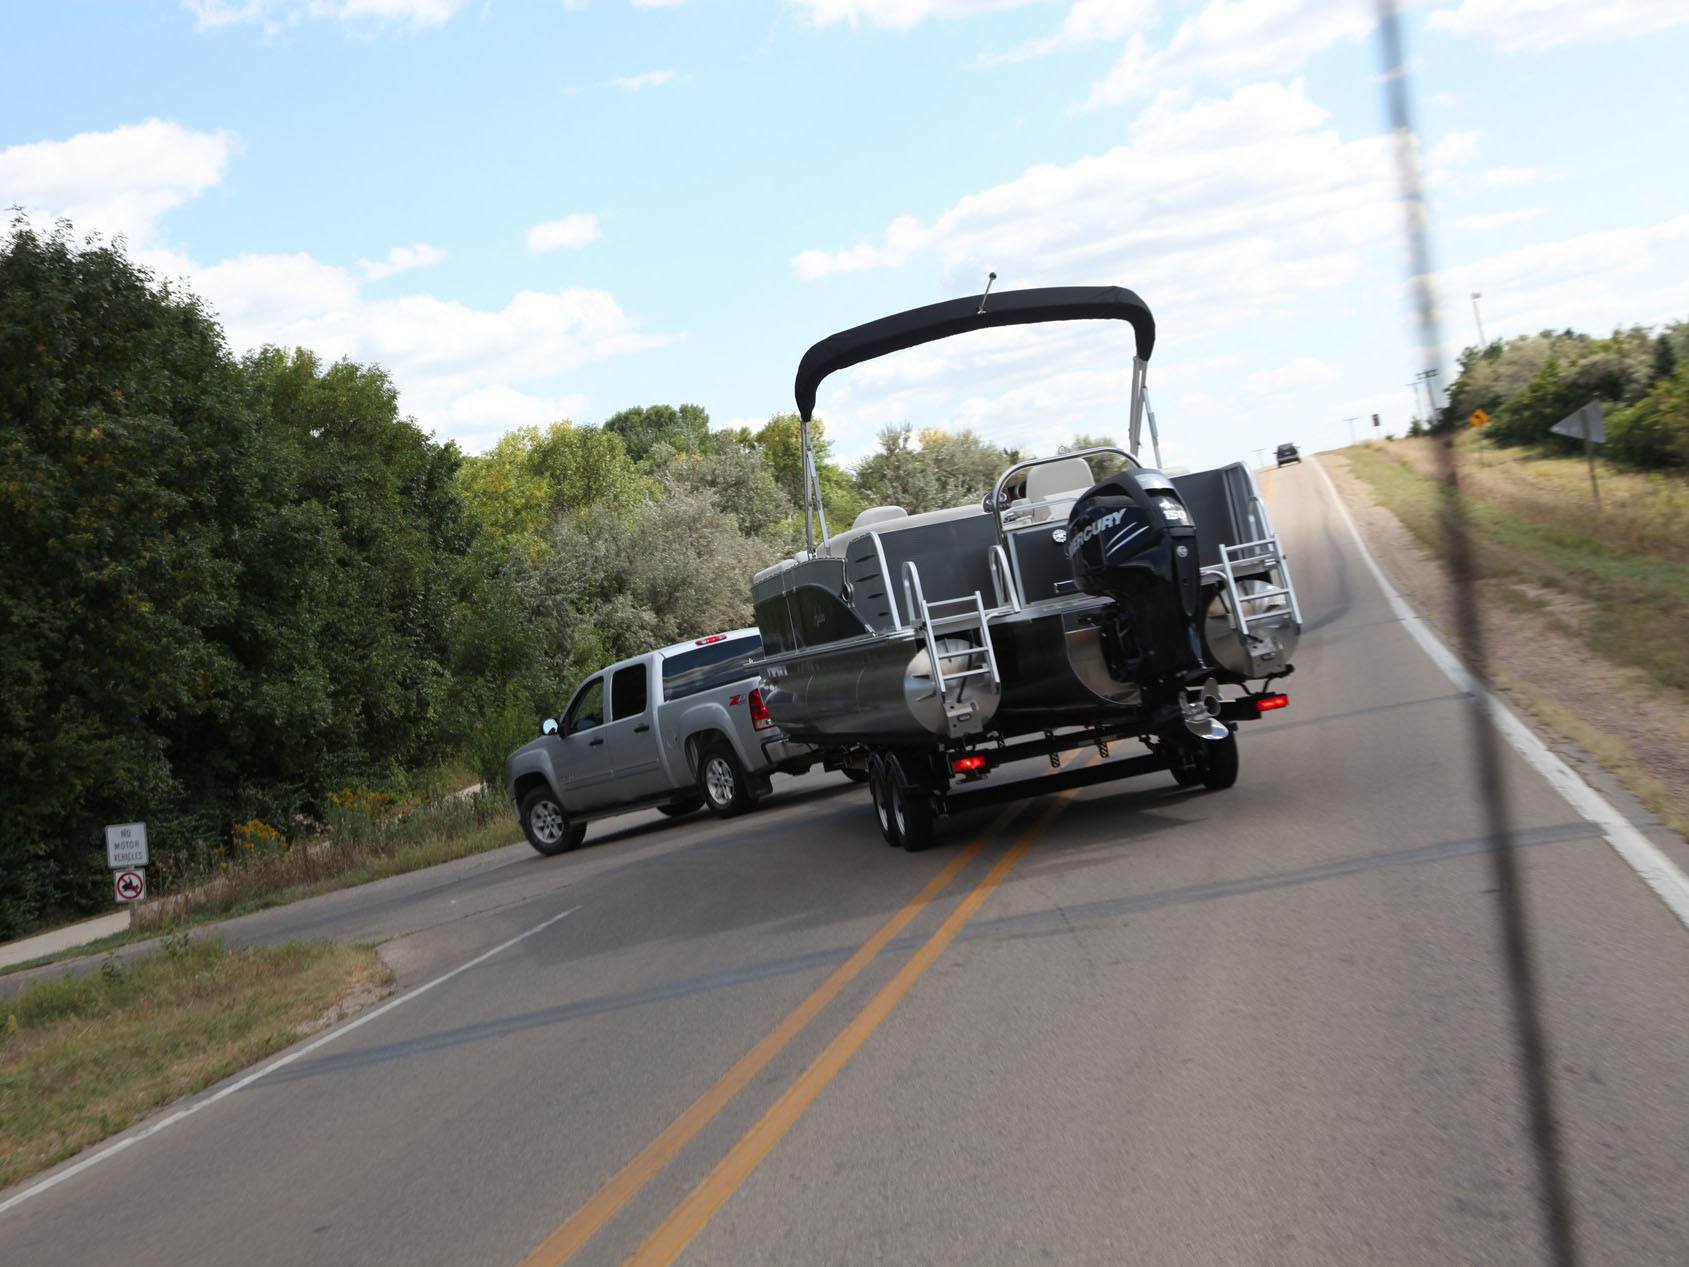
<point>1589,424</point>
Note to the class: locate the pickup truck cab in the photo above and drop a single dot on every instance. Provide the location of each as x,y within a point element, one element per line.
<point>674,729</point>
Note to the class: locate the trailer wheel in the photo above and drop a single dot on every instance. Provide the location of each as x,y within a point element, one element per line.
<point>882,787</point>
<point>1184,762</point>
<point>546,824</point>
<point>721,780</point>
<point>910,811</point>
<point>1220,762</point>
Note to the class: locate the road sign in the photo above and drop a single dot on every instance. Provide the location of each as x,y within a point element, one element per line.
<point>126,846</point>
<point>1479,418</point>
<point>1587,423</point>
<point>131,885</point>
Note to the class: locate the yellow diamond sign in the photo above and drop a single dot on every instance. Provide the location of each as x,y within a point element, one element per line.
<point>1479,418</point>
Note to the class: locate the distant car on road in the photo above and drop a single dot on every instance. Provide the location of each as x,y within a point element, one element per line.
<point>1287,454</point>
<point>674,729</point>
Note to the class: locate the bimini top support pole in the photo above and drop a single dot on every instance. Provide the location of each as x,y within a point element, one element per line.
<point>808,483</point>
<point>1134,438</point>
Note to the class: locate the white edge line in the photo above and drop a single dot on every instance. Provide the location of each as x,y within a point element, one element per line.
<point>1642,855</point>
<point>322,1041</point>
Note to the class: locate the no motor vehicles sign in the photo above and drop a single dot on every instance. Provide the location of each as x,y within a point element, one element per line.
<point>126,846</point>
<point>131,886</point>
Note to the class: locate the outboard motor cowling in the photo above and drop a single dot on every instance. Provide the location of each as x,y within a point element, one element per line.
<point>1131,538</point>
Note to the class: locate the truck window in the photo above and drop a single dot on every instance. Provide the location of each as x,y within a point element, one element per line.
<point>628,692</point>
<point>688,672</point>
<point>587,710</point>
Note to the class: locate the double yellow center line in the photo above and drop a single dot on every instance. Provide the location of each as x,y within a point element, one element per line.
<point>688,1218</point>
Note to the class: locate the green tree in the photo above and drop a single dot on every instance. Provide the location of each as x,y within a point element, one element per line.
<point>532,475</point>
<point>641,429</point>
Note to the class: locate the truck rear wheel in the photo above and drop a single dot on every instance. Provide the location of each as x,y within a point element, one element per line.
<point>721,780</point>
<point>546,824</point>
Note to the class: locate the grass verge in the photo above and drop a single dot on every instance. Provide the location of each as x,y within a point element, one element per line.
<point>358,855</point>
<point>84,1057</point>
<point>1617,578</point>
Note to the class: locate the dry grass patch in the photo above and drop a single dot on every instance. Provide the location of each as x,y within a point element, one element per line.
<point>85,1056</point>
<point>1618,578</point>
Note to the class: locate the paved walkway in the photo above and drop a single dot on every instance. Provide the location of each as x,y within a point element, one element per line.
<point>62,938</point>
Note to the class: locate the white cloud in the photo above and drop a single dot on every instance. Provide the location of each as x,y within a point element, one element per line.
<point>1637,274</point>
<point>1087,22</point>
<point>117,182</point>
<point>401,259</point>
<point>570,233</point>
<point>1238,200</point>
<point>1293,376</point>
<point>477,418</point>
<point>1529,25</point>
<point>646,79</point>
<point>1484,222</point>
<point>897,15</point>
<point>273,14</point>
<point>1507,177</point>
<point>456,366</point>
<point>1229,41</point>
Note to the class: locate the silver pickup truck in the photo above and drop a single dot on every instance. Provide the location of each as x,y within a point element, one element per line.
<point>677,729</point>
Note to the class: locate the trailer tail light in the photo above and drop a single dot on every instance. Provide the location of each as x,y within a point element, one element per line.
<point>967,765</point>
<point>760,720</point>
<point>1267,703</point>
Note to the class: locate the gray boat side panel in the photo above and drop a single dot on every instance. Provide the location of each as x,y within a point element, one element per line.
<point>868,584</point>
<point>1219,504</point>
<point>953,557</point>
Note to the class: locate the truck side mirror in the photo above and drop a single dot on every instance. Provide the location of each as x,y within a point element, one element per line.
<point>548,726</point>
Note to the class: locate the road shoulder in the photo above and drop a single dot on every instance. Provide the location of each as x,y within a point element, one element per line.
<point>1608,722</point>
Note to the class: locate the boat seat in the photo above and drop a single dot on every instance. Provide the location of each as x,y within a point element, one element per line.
<point>1072,475</point>
<point>878,515</point>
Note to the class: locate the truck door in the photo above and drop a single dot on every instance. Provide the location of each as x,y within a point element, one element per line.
<point>632,731</point>
<point>584,769</point>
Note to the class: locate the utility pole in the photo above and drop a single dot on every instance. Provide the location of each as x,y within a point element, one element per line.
<point>1352,422</point>
<point>1260,459</point>
<point>1479,321</point>
<point>1425,376</point>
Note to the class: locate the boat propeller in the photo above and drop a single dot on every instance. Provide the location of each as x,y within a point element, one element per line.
<point>1199,707</point>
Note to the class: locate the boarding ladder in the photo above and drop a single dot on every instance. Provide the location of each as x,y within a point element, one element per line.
<point>1252,558</point>
<point>972,620</point>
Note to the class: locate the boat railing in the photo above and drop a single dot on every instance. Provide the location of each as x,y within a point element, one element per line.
<point>996,502</point>
<point>1003,579</point>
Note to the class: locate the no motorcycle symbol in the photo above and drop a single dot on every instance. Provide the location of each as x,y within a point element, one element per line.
<point>131,886</point>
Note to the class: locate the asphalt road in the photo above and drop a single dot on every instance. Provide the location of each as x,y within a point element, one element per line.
<point>1131,1024</point>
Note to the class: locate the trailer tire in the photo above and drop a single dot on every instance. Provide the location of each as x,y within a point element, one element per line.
<point>1219,769</point>
<point>882,789</point>
<point>721,780</point>
<point>914,818</point>
<point>546,824</point>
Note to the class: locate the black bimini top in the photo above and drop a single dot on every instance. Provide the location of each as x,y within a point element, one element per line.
<point>958,316</point>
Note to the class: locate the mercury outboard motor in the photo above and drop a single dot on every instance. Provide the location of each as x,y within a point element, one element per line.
<point>1131,538</point>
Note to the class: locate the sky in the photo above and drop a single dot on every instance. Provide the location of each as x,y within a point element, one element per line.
<point>549,209</point>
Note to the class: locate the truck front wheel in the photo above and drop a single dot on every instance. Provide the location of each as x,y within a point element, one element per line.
<point>722,780</point>
<point>546,824</point>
